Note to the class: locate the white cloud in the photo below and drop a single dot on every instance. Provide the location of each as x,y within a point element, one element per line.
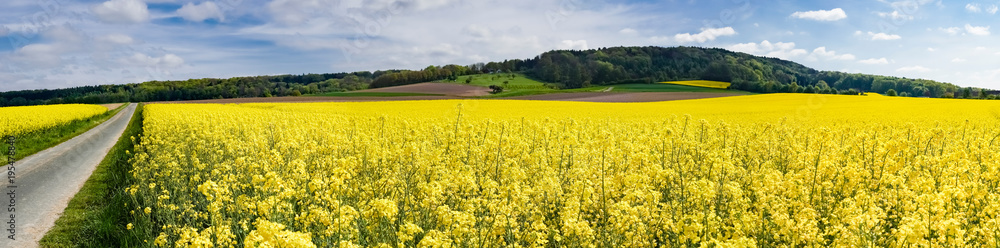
<point>40,55</point>
<point>974,30</point>
<point>122,11</point>
<point>707,34</point>
<point>958,60</point>
<point>787,51</point>
<point>969,29</point>
<point>879,36</point>
<point>822,53</point>
<point>973,7</point>
<point>884,36</point>
<point>976,8</point>
<point>169,60</point>
<point>63,40</point>
<point>931,49</point>
<point>297,11</point>
<point>916,68</point>
<point>782,50</point>
<point>874,61</point>
<point>628,31</point>
<point>200,12</point>
<point>895,15</point>
<point>69,57</point>
<point>822,15</point>
<point>573,45</point>
<point>951,30</point>
<point>500,41</point>
<point>911,5</point>
<point>300,11</point>
<point>65,34</point>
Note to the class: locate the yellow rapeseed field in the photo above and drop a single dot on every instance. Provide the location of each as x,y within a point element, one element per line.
<point>20,120</point>
<point>701,83</point>
<point>776,170</point>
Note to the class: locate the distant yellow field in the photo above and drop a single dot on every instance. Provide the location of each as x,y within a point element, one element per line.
<point>701,83</point>
<point>20,120</point>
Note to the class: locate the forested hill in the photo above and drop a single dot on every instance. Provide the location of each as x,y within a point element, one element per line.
<point>746,72</point>
<point>565,68</point>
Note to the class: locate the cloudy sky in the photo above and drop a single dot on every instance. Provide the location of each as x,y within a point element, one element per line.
<point>64,43</point>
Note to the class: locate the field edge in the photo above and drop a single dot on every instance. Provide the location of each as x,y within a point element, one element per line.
<point>39,140</point>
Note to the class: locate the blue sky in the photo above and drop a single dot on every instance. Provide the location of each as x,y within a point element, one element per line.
<point>65,43</point>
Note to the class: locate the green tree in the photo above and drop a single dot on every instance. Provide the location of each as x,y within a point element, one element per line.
<point>718,71</point>
<point>794,88</point>
<point>890,92</point>
<point>496,89</point>
<point>822,87</point>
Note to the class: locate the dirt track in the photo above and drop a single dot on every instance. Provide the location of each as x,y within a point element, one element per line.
<point>623,96</point>
<point>111,106</point>
<point>436,88</point>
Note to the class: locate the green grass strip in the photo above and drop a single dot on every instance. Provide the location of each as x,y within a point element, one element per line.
<point>96,216</point>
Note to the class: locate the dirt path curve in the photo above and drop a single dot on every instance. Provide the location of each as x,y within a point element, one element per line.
<point>623,96</point>
<point>47,180</point>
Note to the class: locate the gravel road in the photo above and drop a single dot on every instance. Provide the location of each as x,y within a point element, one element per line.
<point>44,183</point>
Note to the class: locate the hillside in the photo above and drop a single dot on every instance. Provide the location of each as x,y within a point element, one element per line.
<point>565,69</point>
<point>746,72</point>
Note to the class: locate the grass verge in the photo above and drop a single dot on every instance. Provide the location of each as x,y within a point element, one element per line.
<point>96,216</point>
<point>515,81</point>
<point>33,142</point>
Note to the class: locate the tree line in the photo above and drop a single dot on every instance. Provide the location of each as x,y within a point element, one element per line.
<point>565,68</point>
<point>447,72</point>
<point>195,89</point>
